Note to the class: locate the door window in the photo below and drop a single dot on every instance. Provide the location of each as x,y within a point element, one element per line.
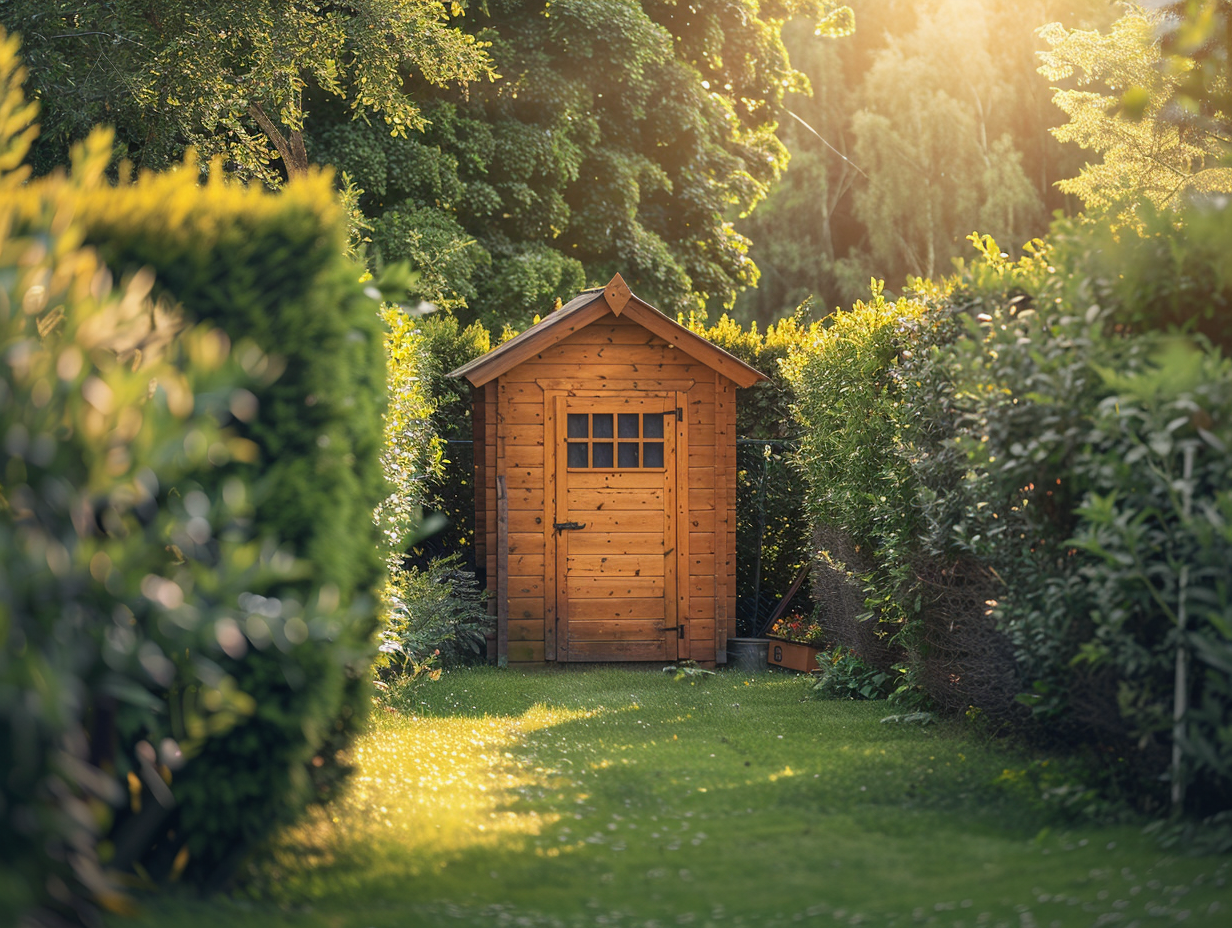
<point>622,441</point>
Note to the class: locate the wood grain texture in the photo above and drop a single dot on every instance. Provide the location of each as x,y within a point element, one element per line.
<point>525,586</point>
<point>526,607</point>
<point>525,630</point>
<point>643,499</point>
<point>643,543</point>
<point>615,609</point>
<point>525,652</point>
<point>615,588</point>
<point>615,520</point>
<point>604,565</point>
<point>502,573</point>
<point>604,631</point>
<point>525,520</point>
<point>525,543</point>
<point>617,651</point>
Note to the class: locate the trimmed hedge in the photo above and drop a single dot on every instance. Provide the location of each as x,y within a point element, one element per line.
<point>1030,473</point>
<point>188,558</point>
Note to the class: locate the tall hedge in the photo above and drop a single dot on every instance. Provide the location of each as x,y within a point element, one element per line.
<point>1032,463</point>
<point>271,270</point>
<point>772,533</point>
<point>191,388</point>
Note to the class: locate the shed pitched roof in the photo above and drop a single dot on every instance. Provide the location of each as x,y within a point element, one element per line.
<point>588,306</point>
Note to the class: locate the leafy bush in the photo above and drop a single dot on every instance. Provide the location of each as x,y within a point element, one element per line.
<point>447,489</point>
<point>771,531</point>
<point>435,612</point>
<point>1036,488</point>
<point>844,676</point>
<point>859,498</point>
<point>165,640</point>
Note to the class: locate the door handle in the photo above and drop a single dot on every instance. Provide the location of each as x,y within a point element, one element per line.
<point>561,526</point>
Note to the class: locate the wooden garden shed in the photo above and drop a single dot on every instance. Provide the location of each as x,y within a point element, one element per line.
<point>605,476</point>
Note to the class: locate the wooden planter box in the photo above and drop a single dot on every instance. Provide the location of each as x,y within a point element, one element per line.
<point>793,655</point>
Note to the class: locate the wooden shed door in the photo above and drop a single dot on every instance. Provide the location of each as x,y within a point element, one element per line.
<point>615,528</point>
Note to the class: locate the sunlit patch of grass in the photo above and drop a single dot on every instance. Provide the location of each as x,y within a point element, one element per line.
<point>622,798</point>
<point>424,792</point>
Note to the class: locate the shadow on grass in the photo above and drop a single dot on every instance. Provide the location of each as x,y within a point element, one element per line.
<point>624,798</point>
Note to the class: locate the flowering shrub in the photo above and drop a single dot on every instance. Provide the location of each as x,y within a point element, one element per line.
<point>799,628</point>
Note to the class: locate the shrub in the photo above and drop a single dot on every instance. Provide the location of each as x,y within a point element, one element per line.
<point>859,497</point>
<point>1033,488</point>
<point>842,675</point>
<point>435,612</point>
<point>183,626</point>
<point>771,530</point>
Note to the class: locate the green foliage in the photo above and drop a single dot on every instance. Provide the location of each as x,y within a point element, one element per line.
<point>231,78</point>
<point>272,270</point>
<point>1037,486</point>
<point>559,182</point>
<point>847,404</point>
<point>929,121</point>
<point>165,624</point>
<point>413,452</point>
<point>442,346</point>
<point>1121,113</point>
<point>937,145</point>
<point>771,530</point>
<point>435,244</point>
<point>842,675</point>
<point>438,613</point>
<point>1147,282</point>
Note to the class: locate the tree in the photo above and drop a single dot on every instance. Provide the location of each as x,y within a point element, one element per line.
<point>230,76</point>
<point>1152,146</point>
<point>935,140</point>
<point>797,232</point>
<point>623,136</point>
<point>944,101</point>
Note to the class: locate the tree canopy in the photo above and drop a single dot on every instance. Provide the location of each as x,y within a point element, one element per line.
<point>621,135</point>
<point>230,76</point>
<point>1126,108</point>
<point>926,124</point>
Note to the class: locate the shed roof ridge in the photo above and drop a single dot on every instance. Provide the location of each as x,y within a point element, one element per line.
<point>554,328</point>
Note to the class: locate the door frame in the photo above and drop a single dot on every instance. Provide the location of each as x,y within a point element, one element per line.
<point>676,511</point>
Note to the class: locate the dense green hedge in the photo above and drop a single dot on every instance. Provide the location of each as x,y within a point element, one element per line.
<point>1036,475</point>
<point>772,534</point>
<point>191,411</point>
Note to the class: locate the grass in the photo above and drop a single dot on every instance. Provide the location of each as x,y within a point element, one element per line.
<point>622,798</point>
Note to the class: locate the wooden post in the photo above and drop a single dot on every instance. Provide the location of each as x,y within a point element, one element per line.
<point>502,572</point>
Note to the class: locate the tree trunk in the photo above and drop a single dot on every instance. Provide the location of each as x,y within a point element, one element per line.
<point>292,151</point>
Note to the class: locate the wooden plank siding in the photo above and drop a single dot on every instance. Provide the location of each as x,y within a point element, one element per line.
<point>639,549</point>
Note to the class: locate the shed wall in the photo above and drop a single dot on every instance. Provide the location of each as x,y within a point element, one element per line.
<point>510,414</point>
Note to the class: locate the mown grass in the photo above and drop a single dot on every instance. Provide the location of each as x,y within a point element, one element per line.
<point>622,797</point>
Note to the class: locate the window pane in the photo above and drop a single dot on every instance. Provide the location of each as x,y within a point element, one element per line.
<point>628,454</point>
<point>652,454</point>
<point>603,425</point>
<point>578,425</point>
<point>652,425</point>
<point>626,425</point>
<point>603,454</point>
<point>577,452</point>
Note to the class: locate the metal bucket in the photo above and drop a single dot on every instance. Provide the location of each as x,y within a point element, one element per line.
<point>748,655</point>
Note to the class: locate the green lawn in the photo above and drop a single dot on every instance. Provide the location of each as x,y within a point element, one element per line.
<point>620,797</point>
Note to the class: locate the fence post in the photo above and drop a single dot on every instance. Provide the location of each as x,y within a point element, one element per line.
<point>502,573</point>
